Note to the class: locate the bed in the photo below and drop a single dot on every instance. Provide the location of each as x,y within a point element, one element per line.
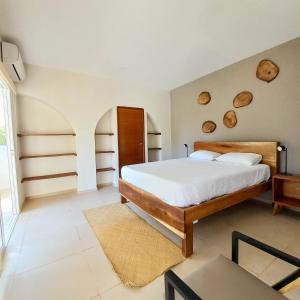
<point>176,194</point>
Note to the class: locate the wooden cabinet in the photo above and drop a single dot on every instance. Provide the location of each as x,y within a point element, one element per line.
<point>286,192</point>
<point>131,139</point>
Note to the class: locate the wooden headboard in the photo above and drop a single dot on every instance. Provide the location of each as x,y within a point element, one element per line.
<point>268,150</point>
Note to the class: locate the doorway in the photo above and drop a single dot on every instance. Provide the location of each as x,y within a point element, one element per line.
<point>131,140</point>
<point>8,183</point>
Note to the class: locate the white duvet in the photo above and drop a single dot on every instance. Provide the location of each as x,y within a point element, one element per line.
<point>187,181</point>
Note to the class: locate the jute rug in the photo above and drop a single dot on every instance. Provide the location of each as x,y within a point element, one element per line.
<point>138,252</point>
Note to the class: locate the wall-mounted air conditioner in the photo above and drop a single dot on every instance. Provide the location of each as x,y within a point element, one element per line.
<point>12,60</point>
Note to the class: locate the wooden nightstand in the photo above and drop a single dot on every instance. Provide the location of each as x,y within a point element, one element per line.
<point>286,192</point>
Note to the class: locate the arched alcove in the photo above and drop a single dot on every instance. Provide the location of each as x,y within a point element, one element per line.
<point>105,144</point>
<point>47,148</point>
<point>153,140</point>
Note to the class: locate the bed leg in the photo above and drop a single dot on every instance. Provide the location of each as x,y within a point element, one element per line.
<point>187,242</point>
<point>123,200</point>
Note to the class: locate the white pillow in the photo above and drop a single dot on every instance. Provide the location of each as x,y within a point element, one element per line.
<point>248,159</point>
<point>204,155</point>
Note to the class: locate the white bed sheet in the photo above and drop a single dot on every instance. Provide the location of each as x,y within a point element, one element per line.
<point>187,181</point>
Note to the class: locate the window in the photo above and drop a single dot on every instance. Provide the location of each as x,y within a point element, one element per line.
<point>9,207</point>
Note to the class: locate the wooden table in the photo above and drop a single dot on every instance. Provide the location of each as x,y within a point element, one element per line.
<point>286,192</point>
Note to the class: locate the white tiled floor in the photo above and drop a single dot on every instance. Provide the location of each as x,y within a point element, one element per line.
<point>53,253</point>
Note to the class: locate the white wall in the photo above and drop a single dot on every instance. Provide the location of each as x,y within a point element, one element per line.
<point>153,140</point>
<point>106,142</point>
<point>5,77</point>
<point>272,115</point>
<point>83,99</point>
<point>35,116</point>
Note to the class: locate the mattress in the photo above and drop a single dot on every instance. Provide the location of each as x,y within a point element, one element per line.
<point>187,181</point>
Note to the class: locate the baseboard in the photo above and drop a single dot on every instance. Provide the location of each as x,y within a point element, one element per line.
<point>87,191</point>
<point>261,199</point>
<point>265,197</point>
<point>59,193</point>
<point>102,185</point>
<point>1,259</point>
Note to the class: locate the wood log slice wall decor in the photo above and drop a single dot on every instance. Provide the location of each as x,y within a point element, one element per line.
<point>209,126</point>
<point>230,119</point>
<point>242,99</point>
<point>267,70</point>
<point>204,98</point>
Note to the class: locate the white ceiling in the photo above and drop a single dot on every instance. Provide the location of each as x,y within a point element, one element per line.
<point>161,43</point>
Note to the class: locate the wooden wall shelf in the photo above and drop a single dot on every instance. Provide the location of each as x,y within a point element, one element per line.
<point>49,176</point>
<point>47,155</point>
<point>105,170</point>
<point>154,148</point>
<point>46,134</point>
<point>154,133</point>
<point>105,151</point>
<point>104,133</point>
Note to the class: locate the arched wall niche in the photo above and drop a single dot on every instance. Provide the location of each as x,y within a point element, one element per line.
<point>106,146</point>
<point>106,149</point>
<point>83,99</point>
<point>154,140</point>
<point>43,154</point>
<point>46,117</point>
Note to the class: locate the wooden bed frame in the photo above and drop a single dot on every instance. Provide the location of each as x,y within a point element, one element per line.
<point>180,220</point>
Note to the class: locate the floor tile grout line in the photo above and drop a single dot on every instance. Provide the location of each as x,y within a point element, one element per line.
<point>21,248</point>
<point>90,248</point>
<point>94,297</point>
<point>39,240</point>
<point>93,276</point>
<point>266,267</point>
<point>269,265</point>
<point>82,252</point>
<point>284,250</point>
<point>109,289</point>
<point>47,264</point>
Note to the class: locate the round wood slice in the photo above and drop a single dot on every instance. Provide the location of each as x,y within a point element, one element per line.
<point>204,98</point>
<point>267,70</point>
<point>230,119</point>
<point>242,99</point>
<point>209,126</point>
